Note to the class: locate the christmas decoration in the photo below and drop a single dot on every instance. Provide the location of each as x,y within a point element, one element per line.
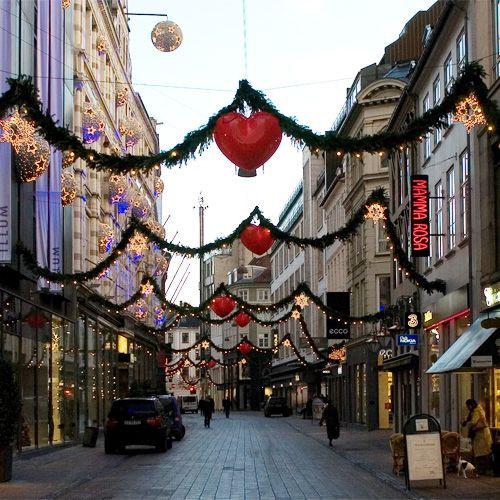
<point>32,159</point>
<point>155,227</point>
<point>92,124</point>
<point>140,311</point>
<point>301,300</point>
<point>117,187</point>
<point>296,314</point>
<point>36,319</point>
<point>286,343</point>
<point>122,96</point>
<point>257,239</point>
<point>159,186</point>
<point>205,344</point>
<point>248,142</point>
<point>375,212</point>
<point>139,206</point>
<point>101,45</point>
<point>222,305</point>
<point>245,348</point>
<point>65,3</point>
<point>103,274</point>
<point>138,244</point>
<point>160,315</point>
<point>242,319</point>
<point>69,158</point>
<point>147,288</point>
<point>166,36</point>
<point>469,112</point>
<point>105,237</point>
<point>337,353</point>
<point>68,188</point>
<point>131,131</point>
<point>212,363</point>
<point>162,265</point>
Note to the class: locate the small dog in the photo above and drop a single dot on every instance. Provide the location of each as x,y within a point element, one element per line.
<point>465,467</point>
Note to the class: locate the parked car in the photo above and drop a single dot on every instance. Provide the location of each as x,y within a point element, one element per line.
<point>188,403</point>
<point>137,421</point>
<point>173,412</point>
<point>276,406</point>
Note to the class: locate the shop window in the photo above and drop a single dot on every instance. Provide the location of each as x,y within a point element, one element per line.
<point>433,343</point>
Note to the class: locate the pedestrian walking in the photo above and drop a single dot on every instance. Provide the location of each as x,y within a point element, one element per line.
<point>331,417</point>
<point>307,412</point>
<point>226,404</point>
<point>209,408</point>
<point>201,406</point>
<point>480,435</point>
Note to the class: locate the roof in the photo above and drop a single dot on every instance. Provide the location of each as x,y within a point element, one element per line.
<point>189,322</point>
<point>263,261</point>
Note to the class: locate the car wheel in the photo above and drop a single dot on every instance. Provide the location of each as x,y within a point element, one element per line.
<point>161,446</point>
<point>183,432</point>
<point>109,448</point>
<point>169,443</point>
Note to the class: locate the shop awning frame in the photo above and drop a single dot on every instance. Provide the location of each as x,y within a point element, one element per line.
<point>460,352</point>
<point>401,362</point>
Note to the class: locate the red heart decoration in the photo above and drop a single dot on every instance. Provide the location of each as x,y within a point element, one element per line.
<point>257,239</point>
<point>222,305</point>
<point>242,319</point>
<point>248,142</point>
<point>211,363</point>
<point>245,348</point>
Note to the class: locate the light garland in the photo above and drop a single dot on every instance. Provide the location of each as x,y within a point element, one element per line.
<point>68,159</point>
<point>105,237</point>
<point>131,131</point>
<point>92,124</point>
<point>104,274</point>
<point>469,112</point>
<point>205,344</point>
<point>375,212</point>
<point>138,244</point>
<point>295,314</point>
<point>286,343</point>
<point>68,188</point>
<point>162,265</point>
<point>155,227</point>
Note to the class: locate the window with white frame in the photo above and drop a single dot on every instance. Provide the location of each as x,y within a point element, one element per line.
<point>461,51</point>
<point>438,192</point>
<point>185,337</point>
<point>427,138</point>
<point>263,339</point>
<point>448,73</point>
<point>243,294</point>
<point>381,241</point>
<point>436,98</point>
<point>262,295</point>
<point>464,192</point>
<point>451,207</point>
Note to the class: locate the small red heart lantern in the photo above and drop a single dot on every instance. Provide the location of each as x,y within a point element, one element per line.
<point>222,305</point>
<point>36,319</point>
<point>248,142</point>
<point>211,363</point>
<point>257,239</point>
<point>245,348</point>
<point>242,319</point>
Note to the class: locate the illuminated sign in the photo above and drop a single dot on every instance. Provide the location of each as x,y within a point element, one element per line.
<point>337,354</point>
<point>492,296</point>
<point>407,339</point>
<point>413,320</point>
<point>420,226</point>
<point>427,316</point>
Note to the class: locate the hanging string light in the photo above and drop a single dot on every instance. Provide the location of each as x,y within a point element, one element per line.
<point>117,187</point>
<point>375,212</point>
<point>105,237</point>
<point>166,36</point>
<point>68,159</point>
<point>92,124</point>
<point>469,112</point>
<point>68,188</point>
<point>159,187</point>
<point>122,96</point>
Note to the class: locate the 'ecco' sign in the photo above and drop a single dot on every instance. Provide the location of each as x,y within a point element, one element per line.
<point>420,227</point>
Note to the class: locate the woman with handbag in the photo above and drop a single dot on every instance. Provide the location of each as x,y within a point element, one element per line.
<point>479,433</point>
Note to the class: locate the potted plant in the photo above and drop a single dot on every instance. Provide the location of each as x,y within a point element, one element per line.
<point>10,412</point>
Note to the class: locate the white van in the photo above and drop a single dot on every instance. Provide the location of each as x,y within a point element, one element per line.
<point>189,404</point>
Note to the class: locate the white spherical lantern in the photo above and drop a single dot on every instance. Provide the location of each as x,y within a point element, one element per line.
<point>166,36</point>
<point>69,189</point>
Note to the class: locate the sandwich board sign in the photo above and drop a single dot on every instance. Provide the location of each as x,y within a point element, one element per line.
<point>424,457</point>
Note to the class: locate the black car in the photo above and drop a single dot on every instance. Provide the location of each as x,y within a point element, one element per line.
<point>276,406</point>
<point>137,421</point>
<point>173,412</point>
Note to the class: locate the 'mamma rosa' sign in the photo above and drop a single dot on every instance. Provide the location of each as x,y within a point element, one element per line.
<point>419,215</point>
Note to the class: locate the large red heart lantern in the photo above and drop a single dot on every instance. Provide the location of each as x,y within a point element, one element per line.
<point>222,305</point>
<point>242,319</point>
<point>248,142</point>
<point>257,239</point>
<point>211,363</point>
<point>245,348</point>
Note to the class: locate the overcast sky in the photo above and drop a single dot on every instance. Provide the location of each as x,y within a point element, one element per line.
<point>302,53</point>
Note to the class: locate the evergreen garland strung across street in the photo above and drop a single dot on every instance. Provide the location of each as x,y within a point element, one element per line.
<point>23,94</point>
<point>376,197</point>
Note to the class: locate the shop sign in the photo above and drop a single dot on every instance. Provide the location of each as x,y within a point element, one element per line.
<point>427,316</point>
<point>413,320</point>
<point>407,339</point>
<point>385,353</point>
<point>340,302</point>
<point>481,361</point>
<point>420,226</point>
<point>492,296</point>
<point>337,354</point>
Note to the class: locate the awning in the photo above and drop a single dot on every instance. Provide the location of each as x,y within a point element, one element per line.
<point>475,341</point>
<point>285,371</point>
<point>401,362</point>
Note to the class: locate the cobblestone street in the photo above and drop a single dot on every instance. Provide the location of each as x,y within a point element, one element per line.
<point>245,457</point>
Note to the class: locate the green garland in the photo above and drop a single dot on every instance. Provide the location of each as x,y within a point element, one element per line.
<point>22,92</point>
<point>343,234</point>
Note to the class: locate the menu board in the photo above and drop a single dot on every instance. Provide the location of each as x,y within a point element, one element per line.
<point>424,456</point>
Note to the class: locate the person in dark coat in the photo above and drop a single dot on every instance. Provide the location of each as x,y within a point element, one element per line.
<point>226,404</point>
<point>331,417</point>
<point>209,408</point>
<point>201,406</point>
<point>308,410</point>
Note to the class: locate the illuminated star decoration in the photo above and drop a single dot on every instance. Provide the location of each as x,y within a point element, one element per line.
<point>469,112</point>
<point>147,288</point>
<point>243,361</point>
<point>375,212</point>
<point>302,300</point>
<point>205,344</point>
<point>286,343</point>
<point>296,314</point>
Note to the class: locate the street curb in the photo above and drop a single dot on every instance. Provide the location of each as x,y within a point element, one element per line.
<point>385,478</point>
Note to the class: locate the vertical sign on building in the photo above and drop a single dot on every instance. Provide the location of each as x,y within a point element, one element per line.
<point>340,302</point>
<point>420,224</point>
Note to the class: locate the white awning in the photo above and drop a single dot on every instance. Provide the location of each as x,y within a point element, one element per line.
<point>457,357</point>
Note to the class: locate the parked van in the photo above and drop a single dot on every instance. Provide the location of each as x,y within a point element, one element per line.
<point>188,404</point>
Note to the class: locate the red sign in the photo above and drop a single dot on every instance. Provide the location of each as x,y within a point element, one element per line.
<point>420,225</point>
